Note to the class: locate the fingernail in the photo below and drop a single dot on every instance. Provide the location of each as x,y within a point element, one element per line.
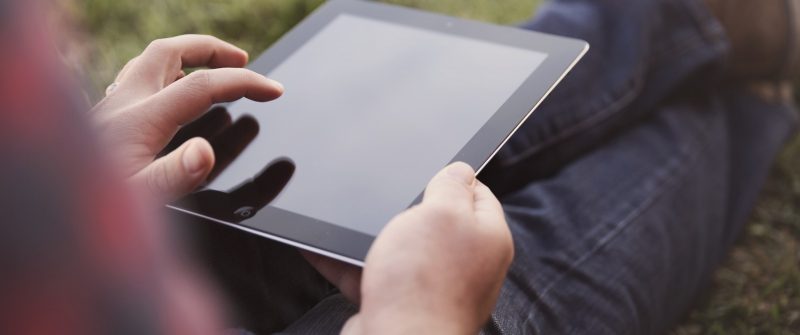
<point>462,172</point>
<point>193,160</point>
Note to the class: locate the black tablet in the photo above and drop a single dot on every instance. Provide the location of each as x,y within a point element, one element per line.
<point>378,99</point>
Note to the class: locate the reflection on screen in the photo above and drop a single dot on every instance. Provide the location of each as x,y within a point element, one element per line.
<point>372,111</point>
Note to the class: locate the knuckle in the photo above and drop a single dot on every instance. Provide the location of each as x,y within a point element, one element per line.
<point>158,46</point>
<point>132,60</point>
<point>158,180</point>
<point>510,253</point>
<point>199,80</point>
<point>508,247</point>
<point>247,75</point>
<point>502,241</point>
<point>442,214</point>
<point>449,183</point>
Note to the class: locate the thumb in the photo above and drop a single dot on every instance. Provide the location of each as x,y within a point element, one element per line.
<point>453,187</point>
<point>179,172</point>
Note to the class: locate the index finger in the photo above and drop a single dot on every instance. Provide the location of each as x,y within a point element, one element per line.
<point>190,97</point>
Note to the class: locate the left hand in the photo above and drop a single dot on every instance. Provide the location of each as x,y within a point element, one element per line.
<point>436,268</point>
<point>152,99</point>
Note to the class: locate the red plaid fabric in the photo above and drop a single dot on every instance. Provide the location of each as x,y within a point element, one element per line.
<point>78,255</point>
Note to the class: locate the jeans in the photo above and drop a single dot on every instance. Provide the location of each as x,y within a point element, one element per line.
<point>624,190</point>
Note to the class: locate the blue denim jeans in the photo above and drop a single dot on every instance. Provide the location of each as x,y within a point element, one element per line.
<point>629,184</point>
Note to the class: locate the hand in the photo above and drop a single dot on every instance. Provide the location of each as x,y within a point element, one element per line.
<point>152,99</point>
<point>436,268</point>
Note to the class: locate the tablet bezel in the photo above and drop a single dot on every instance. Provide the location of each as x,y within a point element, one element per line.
<point>352,246</point>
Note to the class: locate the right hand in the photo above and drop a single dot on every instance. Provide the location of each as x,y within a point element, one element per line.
<point>152,98</point>
<point>436,268</point>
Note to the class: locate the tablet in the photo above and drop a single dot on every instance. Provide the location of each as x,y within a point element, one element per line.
<point>378,99</point>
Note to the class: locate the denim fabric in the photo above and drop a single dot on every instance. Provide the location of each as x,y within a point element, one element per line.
<point>652,165</point>
<point>642,52</point>
<point>622,240</point>
<point>629,184</point>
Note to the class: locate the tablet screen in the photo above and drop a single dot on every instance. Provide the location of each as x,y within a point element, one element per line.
<point>372,110</point>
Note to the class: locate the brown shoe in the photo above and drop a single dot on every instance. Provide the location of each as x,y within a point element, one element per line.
<point>764,35</point>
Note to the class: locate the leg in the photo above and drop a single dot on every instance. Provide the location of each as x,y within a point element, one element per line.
<point>642,52</point>
<point>622,240</point>
<point>625,233</point>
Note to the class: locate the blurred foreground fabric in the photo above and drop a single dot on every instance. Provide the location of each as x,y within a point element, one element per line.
<point>78,253</point>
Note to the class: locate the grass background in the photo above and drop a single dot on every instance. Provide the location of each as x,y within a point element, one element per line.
<point>757,291</point>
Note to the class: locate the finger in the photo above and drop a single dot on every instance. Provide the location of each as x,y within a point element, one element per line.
<point>344,276</point>
<point>179,172</point>
<point>490,216</point>
<point>452,187</point>
<point>196,51</point>
<point>487,206</point>
<point>190,97</point>
<point>162,61</point>
<point>125,69</point>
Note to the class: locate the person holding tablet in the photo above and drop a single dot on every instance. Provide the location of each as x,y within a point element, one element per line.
<point>81,256</point>
<point>619,208</point>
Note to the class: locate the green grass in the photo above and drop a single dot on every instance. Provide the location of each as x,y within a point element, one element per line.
<point>120,29</point>
<point>757,291</point>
